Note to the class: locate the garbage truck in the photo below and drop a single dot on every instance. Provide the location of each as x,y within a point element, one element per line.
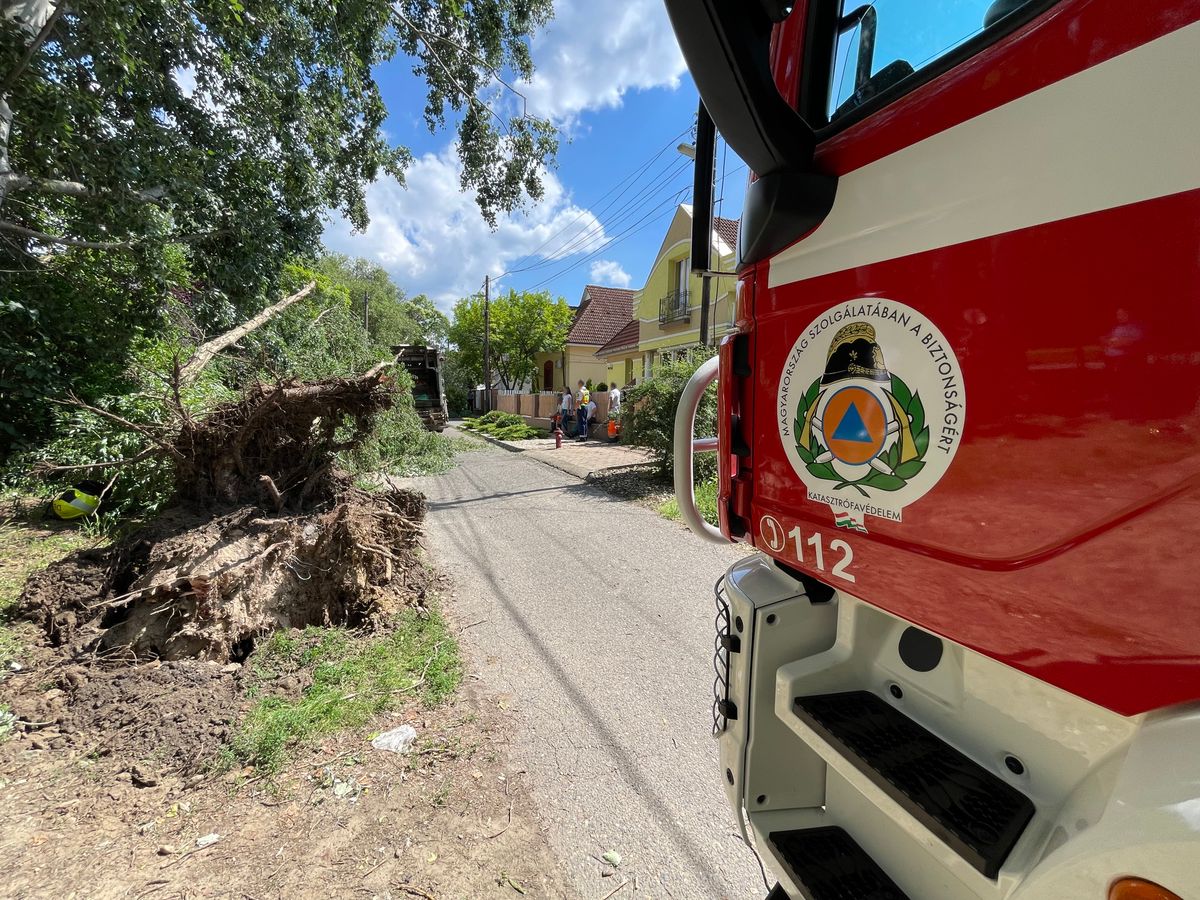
<point>424,364</point>
<point>958,425</point>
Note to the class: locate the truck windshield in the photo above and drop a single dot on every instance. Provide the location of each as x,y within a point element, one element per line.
<point>881,43</point>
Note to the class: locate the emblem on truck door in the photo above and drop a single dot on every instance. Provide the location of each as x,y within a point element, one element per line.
<point>871,409</point>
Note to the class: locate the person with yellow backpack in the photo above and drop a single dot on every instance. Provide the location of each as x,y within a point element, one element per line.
<point>582,398</point>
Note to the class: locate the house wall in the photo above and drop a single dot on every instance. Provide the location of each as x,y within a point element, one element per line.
<point>583,365</point>
<point>557,359</point>
<point>654,338</point>
<point>623,367</point>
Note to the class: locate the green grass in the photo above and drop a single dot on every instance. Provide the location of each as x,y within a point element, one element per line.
<point>353,679</point>
<point>706,502</point>
<point>23,551</point>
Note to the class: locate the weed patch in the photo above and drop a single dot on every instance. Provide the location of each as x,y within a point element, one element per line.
<point>502,425</point>
<point>706,502</point>
<point>353,679</point>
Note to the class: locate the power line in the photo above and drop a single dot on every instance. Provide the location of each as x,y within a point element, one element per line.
<point>638,171</point>
<point>629,232</point>
<point>579,243</point>
<point>670,202</point>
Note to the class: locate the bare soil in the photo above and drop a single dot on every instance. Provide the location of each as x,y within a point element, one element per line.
<point>452,819</point>
<point>137,682</point>
<point>195,586</point>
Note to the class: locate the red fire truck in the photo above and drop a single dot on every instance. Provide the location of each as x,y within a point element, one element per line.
<point>959,424</point>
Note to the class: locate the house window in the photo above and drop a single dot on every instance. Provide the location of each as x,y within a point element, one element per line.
<point>628,370</point>
<point>679,279</point>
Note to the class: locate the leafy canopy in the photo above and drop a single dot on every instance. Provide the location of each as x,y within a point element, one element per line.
<point>233,124</point>
<point>523,324</point>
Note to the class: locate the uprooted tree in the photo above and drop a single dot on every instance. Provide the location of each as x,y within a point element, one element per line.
<point>268,533</point>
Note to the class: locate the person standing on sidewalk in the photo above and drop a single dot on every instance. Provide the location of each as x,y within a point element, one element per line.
<point>564,407</point>
<point>582,397</point>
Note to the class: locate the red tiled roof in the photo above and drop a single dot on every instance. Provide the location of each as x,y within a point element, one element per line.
<point>602,313</point>
<point>624,339</point>
<point>728,230</point>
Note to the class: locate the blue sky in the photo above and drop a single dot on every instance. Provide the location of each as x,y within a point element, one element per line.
<point>613,79</point>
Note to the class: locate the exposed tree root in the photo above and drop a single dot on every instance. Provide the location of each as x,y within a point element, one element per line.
<point>190,587</point>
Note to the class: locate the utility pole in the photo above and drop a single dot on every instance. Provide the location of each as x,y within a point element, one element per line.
<point>702,189</point>
<point>487,345</point>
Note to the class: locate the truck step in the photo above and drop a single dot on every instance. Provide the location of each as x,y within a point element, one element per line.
<point>827,864</point>
<point>972,810</point>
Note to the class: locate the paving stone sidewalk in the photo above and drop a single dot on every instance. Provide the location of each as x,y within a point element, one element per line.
<point>579,459</point>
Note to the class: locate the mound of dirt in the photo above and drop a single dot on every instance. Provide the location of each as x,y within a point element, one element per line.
<point>192,587</point>
<point>176,715</point>
<point>277,442</point>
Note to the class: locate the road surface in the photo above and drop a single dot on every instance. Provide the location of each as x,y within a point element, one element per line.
<point>597,622</point>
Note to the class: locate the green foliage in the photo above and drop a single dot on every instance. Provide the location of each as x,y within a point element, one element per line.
<point>502,425</point>
<point>352,681</point>
<point>522,325</point>
<point>648,413</point>
<point>318,337</point>
<point>706,502</point>
<point>75,325</point>
<point>495,417</point>
<point>236,126</point>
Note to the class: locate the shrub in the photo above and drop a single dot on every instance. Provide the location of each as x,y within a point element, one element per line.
<point>648,414</point>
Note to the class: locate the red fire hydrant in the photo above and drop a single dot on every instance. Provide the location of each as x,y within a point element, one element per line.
<point>558,432</point>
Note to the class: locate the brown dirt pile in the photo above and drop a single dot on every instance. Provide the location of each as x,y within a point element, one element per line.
<point>175,714</point>
<point>191,587</point>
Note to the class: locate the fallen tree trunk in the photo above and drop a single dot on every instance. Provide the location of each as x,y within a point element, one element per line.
<point>207,351</point>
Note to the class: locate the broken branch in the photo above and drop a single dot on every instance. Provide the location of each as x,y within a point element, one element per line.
<point>205,352</point>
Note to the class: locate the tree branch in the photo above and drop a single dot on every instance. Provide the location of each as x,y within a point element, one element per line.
<point>206,351</point>
<point>51,469</point>
<point>34,46</point>
<point>15,181</point>
<point>143,430</point>
<point>65,241</point>
<point>131,244</point>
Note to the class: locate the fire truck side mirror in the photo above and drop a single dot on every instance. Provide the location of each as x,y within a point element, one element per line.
<point>727,46</point>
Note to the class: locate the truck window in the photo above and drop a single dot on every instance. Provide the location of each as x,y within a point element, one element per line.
<point>881,44</point>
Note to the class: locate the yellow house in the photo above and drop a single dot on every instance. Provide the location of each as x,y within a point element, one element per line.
<point>667,308</point>
<point>622,356</point>
<point>603,311</point>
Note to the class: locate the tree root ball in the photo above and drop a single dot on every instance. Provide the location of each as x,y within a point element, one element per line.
<point>190,586</point>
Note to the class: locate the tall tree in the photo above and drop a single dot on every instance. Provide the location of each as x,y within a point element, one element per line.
<point>523,324</point>
<point>232,124</point>
<point>433,323</point>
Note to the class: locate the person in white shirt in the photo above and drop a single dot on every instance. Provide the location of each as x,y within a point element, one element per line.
<point>614,399</point>
<point>564,407</point>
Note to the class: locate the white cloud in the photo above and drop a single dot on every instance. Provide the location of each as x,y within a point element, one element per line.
<point>431,238</point>
<point>592,53</point>
<point>608,272</point>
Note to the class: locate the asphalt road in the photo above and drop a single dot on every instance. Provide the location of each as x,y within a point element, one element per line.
<point>597,622</point>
